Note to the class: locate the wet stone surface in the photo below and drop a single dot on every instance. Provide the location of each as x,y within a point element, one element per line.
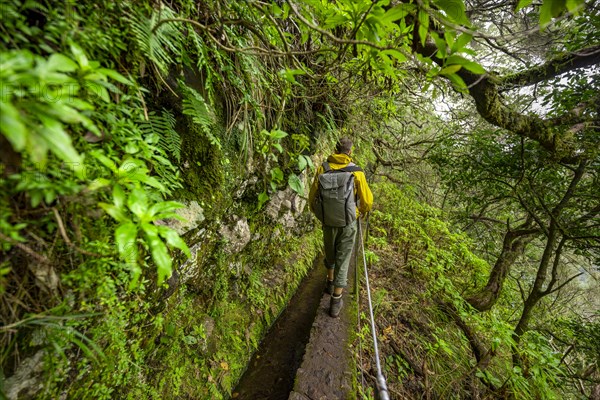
<point>325,371</point>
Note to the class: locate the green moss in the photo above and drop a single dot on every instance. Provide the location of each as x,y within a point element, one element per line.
<point>245,314</point>
<point>201,168</point>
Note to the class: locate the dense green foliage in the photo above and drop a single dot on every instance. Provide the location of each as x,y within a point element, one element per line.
<point>421,271</point>
<point>477,123</point>
<point>106,116</point>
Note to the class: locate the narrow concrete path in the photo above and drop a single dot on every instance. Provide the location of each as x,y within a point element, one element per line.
<point>326,369</point>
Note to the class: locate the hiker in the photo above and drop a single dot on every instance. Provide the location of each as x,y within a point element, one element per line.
<point>339,194</point>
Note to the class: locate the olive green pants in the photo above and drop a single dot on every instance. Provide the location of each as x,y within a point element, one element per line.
<point>338,251</point>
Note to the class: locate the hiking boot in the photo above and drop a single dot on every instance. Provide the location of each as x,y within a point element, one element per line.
<point>329,287</point>
<point>335,306</point>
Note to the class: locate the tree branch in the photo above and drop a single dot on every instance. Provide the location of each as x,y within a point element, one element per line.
<point>63,233</point>
<point>25,248</point>
<point>485,91</point>
<point>565,283</point>
<point>555,264</point>
<point>553,68</point>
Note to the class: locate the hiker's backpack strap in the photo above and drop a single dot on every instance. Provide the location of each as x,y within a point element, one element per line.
<point>351,167</point>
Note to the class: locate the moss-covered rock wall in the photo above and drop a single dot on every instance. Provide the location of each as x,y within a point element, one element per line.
<point>99,299</point>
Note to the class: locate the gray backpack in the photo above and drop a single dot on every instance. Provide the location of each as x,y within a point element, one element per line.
<point>335,203</point>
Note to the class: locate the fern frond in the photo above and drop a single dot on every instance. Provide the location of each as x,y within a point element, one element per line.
<point>159,130</point>
<point>162,46</point>
<point>171,141</point>
<point>162,127</point>
<point>201,112</point>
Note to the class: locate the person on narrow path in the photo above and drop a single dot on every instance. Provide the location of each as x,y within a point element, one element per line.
<point>339,194</point>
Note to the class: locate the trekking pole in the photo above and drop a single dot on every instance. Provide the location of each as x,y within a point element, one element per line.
<point>382,391</point>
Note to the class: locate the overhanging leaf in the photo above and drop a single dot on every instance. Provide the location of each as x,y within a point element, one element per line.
<point>262,199</point>
<point>138,202</point>
<point>474,67</point>
<point>12,126</point>
<point>423,18</point>
<point>79,55</point>
<point>159,252</point>
<point>397,12</point>
<point>118,196</point>
<point>522,4</point>
<point>125,237</point>
<point>164,206</point>
<point>461,42</point>
<point>296,184</point>
<point>459,83</point>
<point>454,9</point>
<point>575,5</point>
<point>174,240</point>
<point>396,54</point>
<point>115,75</point>
<point>551,9</point>
<point>302,163</point>
<point>277,174</point>
<point>114,212</point>
<point>450,69</point>
<point>62,63</point>
<point>58,141</point>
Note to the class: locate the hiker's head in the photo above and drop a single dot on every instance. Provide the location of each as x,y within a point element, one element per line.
<point>344,145</point>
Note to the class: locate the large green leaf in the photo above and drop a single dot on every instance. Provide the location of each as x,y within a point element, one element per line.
<point>454,9</point>
<point>114,75</point>
<point>80,56</point>
<point>459,83</point>
<point>277,134</point>
<point>150,181</point>
<point>467,64</point>
<point>114,212</point>
<point>138,202</point>
<point>159,252</point>
<point>163,207</point>
<point>302,163</point>
<point>104,160</point>
<point>98,183</point>
<point>262,199</point>
<point>62,63</point>
<point>474,67</point>
<point>68,114</point>
<point>277,174</point>
<point>57,140</point>
<point>397,12</point>
<point>125,237</point>
<point>522,4</point>
<point>290,75</point>
<point>296,184</point>
<point>575,5</point>
<point>173,239</point>
<point>423,18</point>
<point>12,127</point>
<point>551,9</point>
<point>396,54</point>
<point>461,42</point>
<point>119,196</point>
<point>65,113</point>
<point>450,69</point>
